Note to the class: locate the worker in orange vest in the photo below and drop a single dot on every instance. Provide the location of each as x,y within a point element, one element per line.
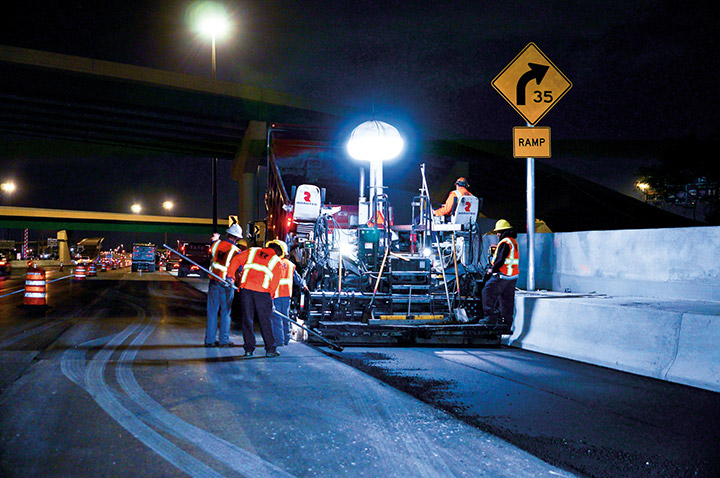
<point>500,287</point>
<point>259,279</point>
<point>220,292</point>
<point>283,295</point>
<point>453,198</point>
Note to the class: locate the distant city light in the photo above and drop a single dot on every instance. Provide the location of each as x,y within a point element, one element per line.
<point>642,186</point>
<point>168,205</point>
<point>8,187</point>
<point>136,208</point>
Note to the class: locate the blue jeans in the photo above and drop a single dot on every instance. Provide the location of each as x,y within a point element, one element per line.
<point>219,299</point>
<point>280,326</point>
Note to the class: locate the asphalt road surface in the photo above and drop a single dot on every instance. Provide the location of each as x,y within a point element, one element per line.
<point>111,380</point>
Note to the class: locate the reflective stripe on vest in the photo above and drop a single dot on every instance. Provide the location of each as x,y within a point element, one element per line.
<point>222,267</point>
<point>286,281</point>
<point>511,266</point>
<point>250,265</point>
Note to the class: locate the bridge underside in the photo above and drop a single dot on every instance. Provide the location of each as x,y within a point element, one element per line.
<point>51,219</point>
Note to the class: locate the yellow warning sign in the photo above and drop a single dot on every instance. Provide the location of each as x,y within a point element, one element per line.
<point>531,142</point>
<point>532,84</point>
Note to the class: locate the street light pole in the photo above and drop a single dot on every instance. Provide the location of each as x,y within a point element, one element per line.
<point>213,21</point>
<point>214,160</point>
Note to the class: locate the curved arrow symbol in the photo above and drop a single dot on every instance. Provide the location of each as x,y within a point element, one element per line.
<point>537,73</point>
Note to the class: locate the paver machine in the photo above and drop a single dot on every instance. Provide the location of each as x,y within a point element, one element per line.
<point>372,282</point>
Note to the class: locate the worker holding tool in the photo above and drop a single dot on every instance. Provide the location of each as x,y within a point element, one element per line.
<point>261,274</point>
<point>500,288</point>
<point>220,291</point>
<point>281,302</point>
<point>453,199</point>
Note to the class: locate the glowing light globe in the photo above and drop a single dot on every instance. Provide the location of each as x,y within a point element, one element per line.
<point>375,141</point>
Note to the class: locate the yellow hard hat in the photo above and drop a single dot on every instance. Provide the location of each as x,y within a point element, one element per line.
<point>280,243</point>
<point>501,225</point>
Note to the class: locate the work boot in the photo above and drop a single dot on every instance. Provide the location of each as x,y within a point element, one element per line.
<point>272,354</point>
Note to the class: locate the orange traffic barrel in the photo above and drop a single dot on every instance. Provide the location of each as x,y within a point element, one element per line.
<point>35,287</point>
<point>103,266</point>
<point>92,270</point>
<point>80,272</point>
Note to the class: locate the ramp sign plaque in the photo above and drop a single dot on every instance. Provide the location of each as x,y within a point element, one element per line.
<point>532,84</point>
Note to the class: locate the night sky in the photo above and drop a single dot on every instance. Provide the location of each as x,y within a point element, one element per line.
<point>640,70</point>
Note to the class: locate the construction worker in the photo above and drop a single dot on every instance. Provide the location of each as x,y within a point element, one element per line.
<point>283,295</point>
<point>261,273</point>
<point>500,287</point>
<point>453,199</point>
<point>220,292</point>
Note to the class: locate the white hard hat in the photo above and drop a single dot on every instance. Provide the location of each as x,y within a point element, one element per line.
<point>235,230</point>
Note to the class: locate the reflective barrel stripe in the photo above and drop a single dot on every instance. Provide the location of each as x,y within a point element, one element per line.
<point>35,287</point>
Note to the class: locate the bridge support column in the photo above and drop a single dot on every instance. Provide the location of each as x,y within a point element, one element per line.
<point>248,158</point>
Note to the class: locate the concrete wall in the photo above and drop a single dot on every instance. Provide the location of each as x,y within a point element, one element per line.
<point>682,263</point>
<point>656,307</point>
<point>669,340</point>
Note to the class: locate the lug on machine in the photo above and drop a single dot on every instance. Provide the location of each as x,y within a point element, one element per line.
<point>373,283</point>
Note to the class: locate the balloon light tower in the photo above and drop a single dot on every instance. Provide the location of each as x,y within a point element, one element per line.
<point>376,142</point>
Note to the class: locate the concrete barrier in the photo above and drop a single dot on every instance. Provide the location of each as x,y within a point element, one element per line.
<point>669,340</point>
<point>681,263</point>
<point>641,301</point>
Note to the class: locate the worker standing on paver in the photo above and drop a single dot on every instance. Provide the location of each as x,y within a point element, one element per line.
<point>500,288</point>
<point>220,292</point>
<point>453,198</point>
<point>281,302</point>
<point>258,282</point>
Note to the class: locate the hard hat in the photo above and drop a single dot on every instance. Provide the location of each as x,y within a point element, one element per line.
<point>280,243</point>
<point>501,225</point>
<point>235,230</point>
<point>462,182</point>
<point>242,243</point>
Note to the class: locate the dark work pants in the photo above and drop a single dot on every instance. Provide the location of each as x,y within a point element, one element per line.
<point>256,305</point>
<point>503,291</point>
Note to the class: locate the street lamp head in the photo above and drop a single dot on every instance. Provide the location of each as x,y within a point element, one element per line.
<point>168,205</point>
<point>8,187</point>
<point>211,19</point>
<point>136,208</point>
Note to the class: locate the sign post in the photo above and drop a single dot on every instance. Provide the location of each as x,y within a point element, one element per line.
<point>532,84</point>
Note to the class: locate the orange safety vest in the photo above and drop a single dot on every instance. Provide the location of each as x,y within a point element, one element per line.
<point>452,201</point>
<point>222,254</point>
<point>261,270</point>
<point>287,271</point>
<point>511,266</point>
